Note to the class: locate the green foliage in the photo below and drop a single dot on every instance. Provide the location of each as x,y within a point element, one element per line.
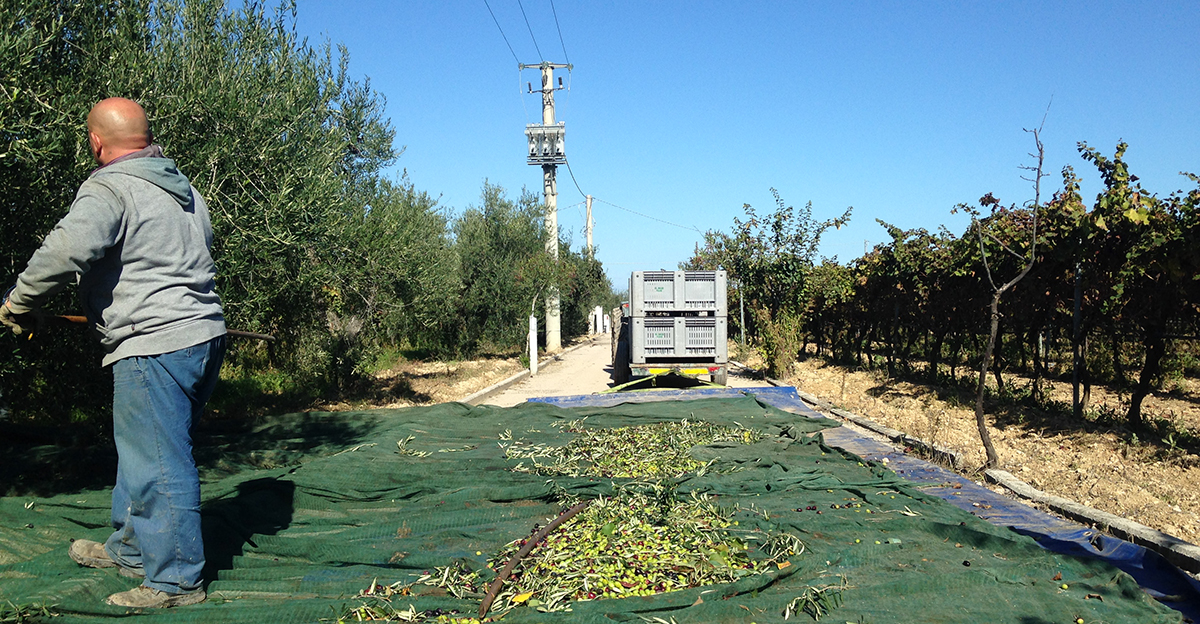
<point>506,274</point>
<point>585,286</point>
<point>397,278</point>
<point>25,613</point>
<point>258,120</point>
<point>247,389</point>
<point>284,148</point>
<point>922,297</point>
<point>770,261</point>
<point>312,242</point>
<point>505,271</point>
<point>779,340</point>
<point>771,257</point>
<point>816,602</point>
<point>48,51</point>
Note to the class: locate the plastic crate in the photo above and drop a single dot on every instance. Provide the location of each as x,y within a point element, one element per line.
<point>681,339</point>
<point>678,292</point>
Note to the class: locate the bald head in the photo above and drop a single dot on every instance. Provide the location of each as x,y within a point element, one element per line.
<point>117,126</point>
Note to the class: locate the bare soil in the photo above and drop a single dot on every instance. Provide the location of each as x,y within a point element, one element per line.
<point>438,382</point>
<point>584,370</point>
<point>1154,482</point>
<point>415,382</point>
<point>410,383</point>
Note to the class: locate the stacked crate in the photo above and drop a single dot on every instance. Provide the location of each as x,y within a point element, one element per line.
<point>678,317</point>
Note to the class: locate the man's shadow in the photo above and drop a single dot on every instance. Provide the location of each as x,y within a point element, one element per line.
<point>259,507</point>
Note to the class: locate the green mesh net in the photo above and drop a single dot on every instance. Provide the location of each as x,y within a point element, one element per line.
<point>304,512</point>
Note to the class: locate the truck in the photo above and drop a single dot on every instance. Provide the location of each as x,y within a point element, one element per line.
<point>674,322</point>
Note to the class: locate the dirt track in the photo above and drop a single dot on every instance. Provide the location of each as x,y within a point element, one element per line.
<point>586,370</point>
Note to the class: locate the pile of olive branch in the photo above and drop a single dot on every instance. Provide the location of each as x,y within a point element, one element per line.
<point>638,543</point>
<point>817,602</point>
<point>382,611</point>
<point>644,540</point>
<point>656,451</point>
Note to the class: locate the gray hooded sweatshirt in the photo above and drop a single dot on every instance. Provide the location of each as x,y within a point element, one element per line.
<point>137,240</point>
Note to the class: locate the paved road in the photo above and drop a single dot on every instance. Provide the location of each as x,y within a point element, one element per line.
<point>586,370</point>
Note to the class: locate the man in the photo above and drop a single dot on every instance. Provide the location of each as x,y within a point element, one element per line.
<point>137,240</point>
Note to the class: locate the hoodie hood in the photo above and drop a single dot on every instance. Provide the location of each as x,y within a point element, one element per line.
<point>150,165</point>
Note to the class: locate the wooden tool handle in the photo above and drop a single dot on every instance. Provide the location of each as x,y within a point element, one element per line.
<point>82,320</point>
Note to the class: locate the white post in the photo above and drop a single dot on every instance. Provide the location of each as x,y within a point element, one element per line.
<point>742,313</point>
<point>533,345</point>
<point>553,311</point>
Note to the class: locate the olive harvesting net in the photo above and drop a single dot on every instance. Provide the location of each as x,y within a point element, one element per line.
<point>708,510</point>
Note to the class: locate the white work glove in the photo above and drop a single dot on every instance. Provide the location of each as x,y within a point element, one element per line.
<point>23,323</point>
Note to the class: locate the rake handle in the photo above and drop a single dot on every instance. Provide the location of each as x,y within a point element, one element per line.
<point>82,320</point>
<point>494,590</point>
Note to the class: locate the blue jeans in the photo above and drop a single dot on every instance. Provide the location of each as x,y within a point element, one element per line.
<point>156,501</point>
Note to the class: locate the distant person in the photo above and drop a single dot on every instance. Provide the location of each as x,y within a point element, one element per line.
<point>137,240</point>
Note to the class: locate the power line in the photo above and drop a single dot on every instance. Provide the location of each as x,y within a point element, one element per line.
<point>685,227</point>
<point>573,178</point>
<point>560,37</point>
<point>564,49</point>
<point>646,216</point>
<point>535,45</point>
<point>580,213</point>
<point>510,48</point>
<point>520,92</point>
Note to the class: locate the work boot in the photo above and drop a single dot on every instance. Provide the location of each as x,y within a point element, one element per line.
<point>93,555</point>
<point>142,597</point>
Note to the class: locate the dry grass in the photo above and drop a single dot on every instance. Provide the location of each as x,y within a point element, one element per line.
<point>1147,481</point>
<point>413,383</point>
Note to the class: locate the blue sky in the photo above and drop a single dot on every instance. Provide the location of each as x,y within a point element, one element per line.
<point>687,110</point>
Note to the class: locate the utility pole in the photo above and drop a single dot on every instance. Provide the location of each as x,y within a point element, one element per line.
<point>590,251</point>
<point>546,148</point>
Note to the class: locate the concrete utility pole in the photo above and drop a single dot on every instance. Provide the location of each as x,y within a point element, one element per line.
<point>590,251</point>
<point>547,142</point>
<point>553,313</point>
